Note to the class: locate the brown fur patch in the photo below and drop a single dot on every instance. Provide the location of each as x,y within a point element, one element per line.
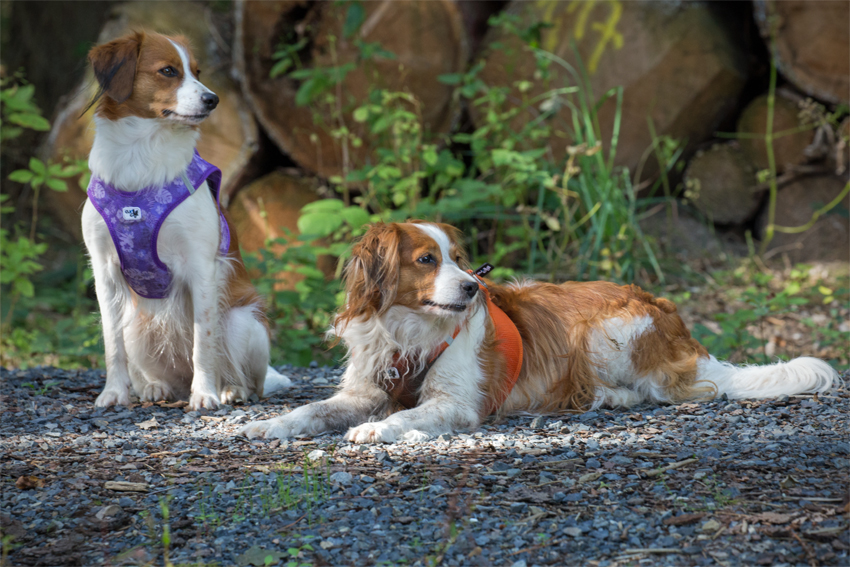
<point>240,291</point>
<point>556,322</point>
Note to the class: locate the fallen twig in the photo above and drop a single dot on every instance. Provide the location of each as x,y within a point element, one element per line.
<point>670,467</point>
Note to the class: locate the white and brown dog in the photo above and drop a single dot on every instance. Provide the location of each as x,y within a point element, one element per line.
<point>180,316</point>
<point>583,345</point>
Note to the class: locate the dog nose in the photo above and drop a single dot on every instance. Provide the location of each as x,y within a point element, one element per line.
<point>210,100</point>
<point>470,288</point>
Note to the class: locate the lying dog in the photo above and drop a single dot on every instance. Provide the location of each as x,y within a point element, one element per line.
<point>571,346</point>
<point>180,316</point>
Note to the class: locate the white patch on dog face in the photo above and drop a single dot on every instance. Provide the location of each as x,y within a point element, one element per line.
<point>189,103</point>
<point>447,284</point>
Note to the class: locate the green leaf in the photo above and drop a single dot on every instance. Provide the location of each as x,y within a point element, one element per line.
<point>37,166</point>
<point>355,216</point>
<point>31,121</point>
<point>361,114</point>
<point>324,205</point>
<point>21,176</point>
<point>451,78</point>
<point>24,287</point>
<point>353,19</point>
<point>319,224</point>
<point>429,156</point>
<point>280,68</point>
<point>56,184</point>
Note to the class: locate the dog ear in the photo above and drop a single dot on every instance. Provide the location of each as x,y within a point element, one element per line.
<point>371,276</point>
<point>114,65</point>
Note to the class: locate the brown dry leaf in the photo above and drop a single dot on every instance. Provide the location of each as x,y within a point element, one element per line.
<point>29,482</point>
<point>177,404</point>
<point>683,519</point>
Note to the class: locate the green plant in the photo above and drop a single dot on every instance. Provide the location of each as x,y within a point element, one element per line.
<point>816,117</point>
<point>293,488</point>
<point>43,389</point>
<point>300,301</point>
<point>755,296</point>
<point>45,316</point>
<point>522,210</point>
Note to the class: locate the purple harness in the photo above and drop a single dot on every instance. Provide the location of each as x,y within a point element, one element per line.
<point>134,219</point>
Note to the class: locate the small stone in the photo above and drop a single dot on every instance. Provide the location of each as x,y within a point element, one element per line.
<point>710,526</point>
<point>125,502</point>
<point>518,507</point>
<point>537,422</point>
<point>593,464</point>
<point>513,472</point>
<point>316,455</point>
<point>107,511</point>
<point>520,563</point>
<point>342,477</point>
<point>572,531</point>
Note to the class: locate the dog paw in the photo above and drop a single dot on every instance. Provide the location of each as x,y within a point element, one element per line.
<point>156,391</point>
<point>377,432</point>
<point>415,436</point>
<point>230,394</point>
<point>200,400</point>
<point>256,428</point>
<point>113,398</point>
<point>275,428</point>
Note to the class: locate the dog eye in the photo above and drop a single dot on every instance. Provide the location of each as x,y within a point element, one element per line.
<point>426,259</point>
<point>169,71</point>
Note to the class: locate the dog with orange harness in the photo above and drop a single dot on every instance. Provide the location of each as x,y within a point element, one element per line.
<point>433,348</point>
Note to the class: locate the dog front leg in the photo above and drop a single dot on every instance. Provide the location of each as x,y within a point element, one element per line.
<point>358,400</point>
<point>205,340</point>
<point>109,298</point>
<point>450,396</point>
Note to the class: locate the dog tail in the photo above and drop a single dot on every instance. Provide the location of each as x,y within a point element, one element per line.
<point>275,381</point>
<point>804,374</point>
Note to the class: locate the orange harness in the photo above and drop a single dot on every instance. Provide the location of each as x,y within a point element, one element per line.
<point>405,389</point>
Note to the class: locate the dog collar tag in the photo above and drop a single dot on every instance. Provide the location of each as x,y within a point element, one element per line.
<point>132,213</point>
<point>483,270</point>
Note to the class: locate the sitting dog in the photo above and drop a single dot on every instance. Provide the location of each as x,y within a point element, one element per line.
<point>430,339</point>
<point>180,316</point>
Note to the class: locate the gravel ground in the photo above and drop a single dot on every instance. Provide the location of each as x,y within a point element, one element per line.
<point>757,482</point>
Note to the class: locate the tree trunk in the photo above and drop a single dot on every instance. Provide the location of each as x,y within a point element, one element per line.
<point>829,238</point>
<point>427,39</point>
<point>269,208</point>
<point>677,64</point>
<point>228,137</point>
<point>788,150</point>
<point>811,45</point>
<point>720,182</point>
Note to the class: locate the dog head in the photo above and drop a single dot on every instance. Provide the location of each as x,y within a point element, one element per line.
<point>416,264</point>
<point>150,75</point>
